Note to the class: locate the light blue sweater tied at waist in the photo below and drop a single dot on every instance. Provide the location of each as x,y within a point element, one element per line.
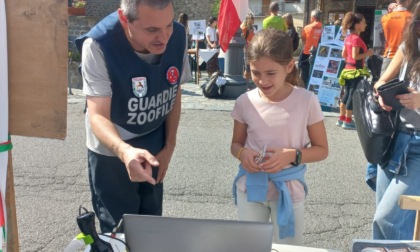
<point>257,187</point>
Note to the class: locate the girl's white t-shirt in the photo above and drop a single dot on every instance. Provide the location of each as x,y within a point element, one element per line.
<point>281,124</point>
<point>211,32</point>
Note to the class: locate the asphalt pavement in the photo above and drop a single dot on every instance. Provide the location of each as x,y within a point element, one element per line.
<point>51,178</point>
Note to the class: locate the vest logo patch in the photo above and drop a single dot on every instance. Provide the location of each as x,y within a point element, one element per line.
<point>172,75</point>
<point>139,86</point>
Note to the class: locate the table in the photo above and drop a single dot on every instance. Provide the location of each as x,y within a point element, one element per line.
<point>289,248</point>
<point>276,247</point>
<point>205,54</point>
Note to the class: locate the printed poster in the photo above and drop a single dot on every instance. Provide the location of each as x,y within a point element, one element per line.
<point>323,80</point>
<point>328,34</point>
<point>340,37</point>
<point>197,28</point>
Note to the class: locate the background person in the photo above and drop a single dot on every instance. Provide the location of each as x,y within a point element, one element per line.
<point>212,43</point>
<point>393,24</point>
<point>311,35</point>
<point>183,19</point>
<point>354,52</point>
<point>396,34</point>
<point>274,20</point>
<point>289,121</point>
<point>401,175</point>
<point>131,57</point>
<point>247,28</point>
<point>291,31</point>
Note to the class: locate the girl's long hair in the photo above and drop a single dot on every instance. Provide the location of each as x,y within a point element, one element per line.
<point>350,20</point>
<point>289,20</point>
<point>247,23</point>
<point>183,19</point>
<point>276,45</point>
<point>410,39</point>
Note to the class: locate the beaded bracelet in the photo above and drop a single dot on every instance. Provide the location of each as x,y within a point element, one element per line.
<point>239,153</point>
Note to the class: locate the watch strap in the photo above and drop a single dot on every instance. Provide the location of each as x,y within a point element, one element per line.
<point>298,158</point>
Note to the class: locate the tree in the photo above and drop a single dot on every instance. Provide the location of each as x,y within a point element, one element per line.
<point>216,7</point>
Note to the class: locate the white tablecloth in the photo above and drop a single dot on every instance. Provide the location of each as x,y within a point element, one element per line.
<point>205,54</point>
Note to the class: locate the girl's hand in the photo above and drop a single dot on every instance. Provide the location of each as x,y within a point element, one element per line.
<point>383,105</point>
<point>410,100</point>
<point>380,100</point>
<point>247,159</point>
<point>277,159</point>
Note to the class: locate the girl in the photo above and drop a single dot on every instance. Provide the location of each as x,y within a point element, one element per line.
<point>401,175</point>
<point>247,28</point>
<point>211,38</point>
<point>288,120</point>
<point>354,52</point>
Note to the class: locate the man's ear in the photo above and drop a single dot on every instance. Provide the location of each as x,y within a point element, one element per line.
<point>123,19</point>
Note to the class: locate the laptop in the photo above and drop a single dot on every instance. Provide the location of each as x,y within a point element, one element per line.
<point>160,234</point>
<point>362,245</point>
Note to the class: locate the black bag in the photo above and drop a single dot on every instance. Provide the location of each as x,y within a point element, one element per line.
<point>210,88</point>
<point>375,126</point>
<point>374,63</point>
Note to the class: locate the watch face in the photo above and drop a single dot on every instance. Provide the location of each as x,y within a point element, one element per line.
<point>298,156</point>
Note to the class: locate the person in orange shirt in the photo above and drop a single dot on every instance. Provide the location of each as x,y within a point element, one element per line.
<point>393,25</point>
<point>310,37</point>
<point>247,28</point>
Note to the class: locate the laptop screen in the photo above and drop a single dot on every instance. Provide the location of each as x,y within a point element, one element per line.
<point>156,233</point>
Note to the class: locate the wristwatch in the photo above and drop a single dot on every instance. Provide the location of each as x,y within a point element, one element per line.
<point>298,158</point>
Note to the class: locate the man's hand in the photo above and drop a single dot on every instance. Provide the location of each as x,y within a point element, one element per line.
<point>164,157</point>
<point>138,163</point>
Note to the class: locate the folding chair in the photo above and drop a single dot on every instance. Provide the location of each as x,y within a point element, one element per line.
<point>409,202</point>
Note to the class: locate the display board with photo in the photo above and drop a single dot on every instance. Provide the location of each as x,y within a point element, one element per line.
<point>197,28</point>
<point>325,72</point>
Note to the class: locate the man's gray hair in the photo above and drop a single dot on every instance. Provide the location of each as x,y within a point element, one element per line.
<point>317,14</point>
<point>129,7</point>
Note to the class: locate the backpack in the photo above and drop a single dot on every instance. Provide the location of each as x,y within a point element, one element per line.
<point>210,88</point>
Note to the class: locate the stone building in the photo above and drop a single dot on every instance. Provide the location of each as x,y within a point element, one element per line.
<point>97,9</point>
<point>333,9</point>
<point>196,9</point>
<point>202,9</point>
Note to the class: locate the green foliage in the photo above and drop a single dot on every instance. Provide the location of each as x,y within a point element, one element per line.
<point>75,56</point>
<point>215,9</point>
<point>79,3</point>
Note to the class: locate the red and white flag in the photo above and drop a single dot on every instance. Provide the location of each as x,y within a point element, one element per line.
<point>231,14</point>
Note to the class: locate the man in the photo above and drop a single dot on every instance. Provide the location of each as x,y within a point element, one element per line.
<point>133,63</point>
<point>311,34</point>
<point>274,20</point>
<point>393,24</point>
